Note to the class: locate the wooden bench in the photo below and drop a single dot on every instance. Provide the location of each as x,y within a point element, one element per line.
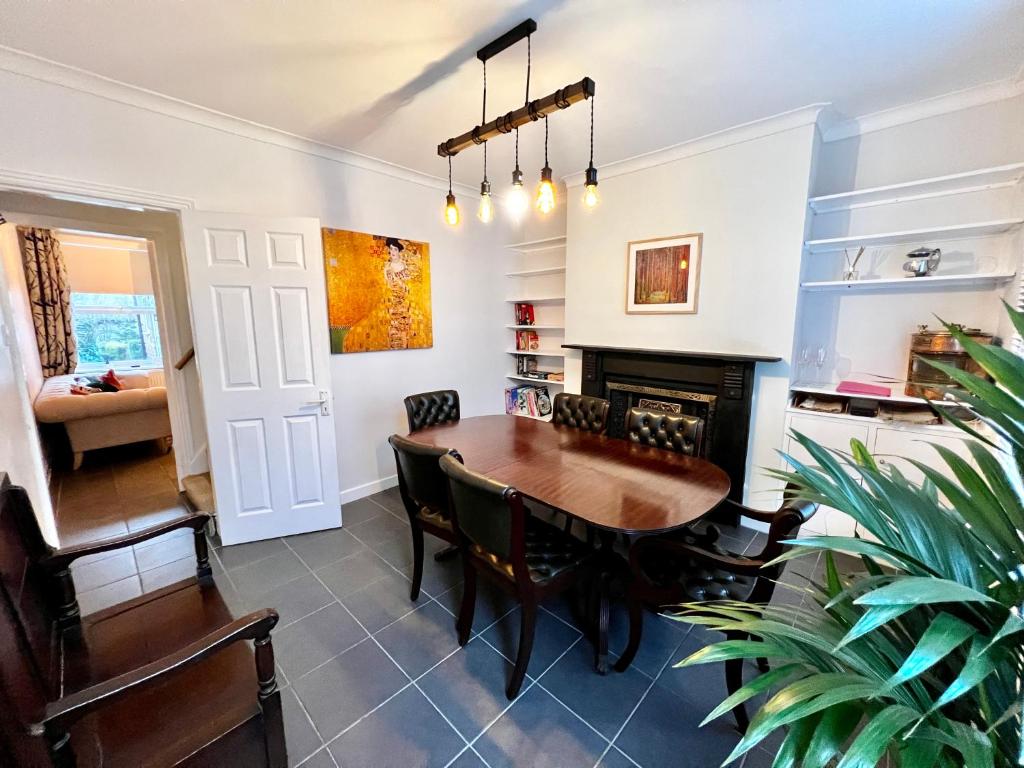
<point>163,679</point>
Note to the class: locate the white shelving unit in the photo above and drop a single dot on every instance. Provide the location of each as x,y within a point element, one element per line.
<point>935,282</point>
<point>860,330</point>
<point>536,276</point>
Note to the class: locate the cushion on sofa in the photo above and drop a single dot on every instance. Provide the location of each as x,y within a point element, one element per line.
<point>56,404</point>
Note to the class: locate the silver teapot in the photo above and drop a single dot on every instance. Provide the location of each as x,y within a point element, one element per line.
<point>922,262</point>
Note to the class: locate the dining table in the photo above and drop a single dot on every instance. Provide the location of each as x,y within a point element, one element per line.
<point>616,486</point>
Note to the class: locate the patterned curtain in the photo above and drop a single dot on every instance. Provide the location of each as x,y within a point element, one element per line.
<point>50,296</point>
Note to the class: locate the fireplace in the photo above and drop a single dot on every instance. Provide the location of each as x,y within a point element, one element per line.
<point>717,387</point>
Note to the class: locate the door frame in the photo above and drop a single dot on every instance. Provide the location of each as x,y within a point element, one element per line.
<point>126,198</point>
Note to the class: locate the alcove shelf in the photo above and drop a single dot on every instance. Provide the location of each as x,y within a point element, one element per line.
<point>996,177</point>
<point>830,390</point>
<point>932,282</point>
<point>536,275</point>
<point>926,234</point>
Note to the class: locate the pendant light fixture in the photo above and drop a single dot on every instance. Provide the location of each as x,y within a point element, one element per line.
<point>545,202</point>
<point>486,210</point>
<point>531,111</point>
<point>590,196</point>
<point>518,201</point>
<point>451,210</point>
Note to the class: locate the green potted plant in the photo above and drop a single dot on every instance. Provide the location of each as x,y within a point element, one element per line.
<point>918,659</point>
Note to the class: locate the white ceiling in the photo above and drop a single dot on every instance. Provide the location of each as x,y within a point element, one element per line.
<point>393,78</point>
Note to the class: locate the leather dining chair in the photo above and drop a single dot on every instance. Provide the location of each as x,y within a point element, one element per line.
<point>424,490</point>
<point>584,412</point>
<point>670,569</point>
<point>673,432</point>
<point>428,409</point>
<point>522,555</point>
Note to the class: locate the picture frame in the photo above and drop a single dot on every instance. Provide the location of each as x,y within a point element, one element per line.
<point>663,275</point>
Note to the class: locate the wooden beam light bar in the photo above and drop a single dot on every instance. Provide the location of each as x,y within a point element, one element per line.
<point>563,98</point>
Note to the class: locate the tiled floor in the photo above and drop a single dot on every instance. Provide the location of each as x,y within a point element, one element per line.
<point>372,680</point>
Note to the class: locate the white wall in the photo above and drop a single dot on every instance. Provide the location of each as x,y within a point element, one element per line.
<point>57,131</point>
<point>24,467</point>
<point>749,200</point>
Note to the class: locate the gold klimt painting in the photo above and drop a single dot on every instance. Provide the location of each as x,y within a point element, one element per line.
<point>378,292</point>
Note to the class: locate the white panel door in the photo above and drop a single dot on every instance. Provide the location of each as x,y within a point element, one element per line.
<point>830,433</point>
<point>259,311</point>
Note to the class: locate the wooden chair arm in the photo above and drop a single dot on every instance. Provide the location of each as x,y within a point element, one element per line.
<point>679,549</point>
<point>254,626</point>
<point>753,514</point>
<point>61,558</point>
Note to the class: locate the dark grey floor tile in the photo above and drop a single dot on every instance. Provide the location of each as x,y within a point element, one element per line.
<point>491,603</point>
<point>468,759</point>
<point>396,548</point>
<point>301,738</point>
<point>469,687</point>
<point>439,577</point>
<point>603,701</point>
<point>381,602</point>
<point>659,640</point>
<point>294,599</point>
<point>149,556</point>
<point>756,545</point>
<point>421,639</point>
<point>321,759</point>
<point>352,573</point>
<point>97,599</point>
<point>379,529</point>
<point>347,687</point>
<point>324,547</point>
<point>358,511</point>
<point>391,499</point>
<point>404,733</point>
<point>268,574</point>
<point>538,732</point>
<point>311,641</point>
<point>237,555</point>
<point>666,725</point>
<point>758,758</point>
<point>615,759</point>
<point>569,606</point>
<point>551,638</point>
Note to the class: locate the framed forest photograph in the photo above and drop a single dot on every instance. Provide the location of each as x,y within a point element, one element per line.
<point>663,275</point>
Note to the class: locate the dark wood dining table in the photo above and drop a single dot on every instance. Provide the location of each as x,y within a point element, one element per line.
<point>614,485</point>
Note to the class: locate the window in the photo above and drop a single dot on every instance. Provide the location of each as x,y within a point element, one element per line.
<point>115,330</point>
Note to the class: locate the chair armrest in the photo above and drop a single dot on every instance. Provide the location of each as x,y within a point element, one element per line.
<point>657,544</point>
<point>753,514</point>
<point>61,558</point>
<point>254,626</point>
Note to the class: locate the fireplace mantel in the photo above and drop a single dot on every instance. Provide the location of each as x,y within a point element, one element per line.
<point>722,379</point>
<point>724,356</point>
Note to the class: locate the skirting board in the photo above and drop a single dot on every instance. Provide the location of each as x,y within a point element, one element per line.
<point>368,489</point>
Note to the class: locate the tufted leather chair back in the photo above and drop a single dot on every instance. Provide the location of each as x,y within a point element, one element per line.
<point>580,411</point>
<point>483,509</point>
<point>427,409</point>
<point>679,433</point>
<point>420,479</point>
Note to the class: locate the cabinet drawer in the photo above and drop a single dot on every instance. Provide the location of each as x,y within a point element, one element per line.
<point>895,446</point>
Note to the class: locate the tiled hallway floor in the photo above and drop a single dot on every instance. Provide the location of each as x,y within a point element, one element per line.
<point>373,680</point>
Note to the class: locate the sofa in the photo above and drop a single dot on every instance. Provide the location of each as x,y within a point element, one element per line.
<point>104,419</point>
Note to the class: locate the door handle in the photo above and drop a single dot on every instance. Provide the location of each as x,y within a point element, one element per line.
<point>324,402</point>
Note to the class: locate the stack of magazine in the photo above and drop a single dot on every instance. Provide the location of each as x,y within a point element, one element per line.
<point>528,400</point>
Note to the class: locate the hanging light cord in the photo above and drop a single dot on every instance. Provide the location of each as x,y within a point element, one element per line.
<point>545,140</point>
<point>483,118</point>
<point>528,58</point>
<point>517,148</point>
<point>591,131</point>
<point>449,174</point>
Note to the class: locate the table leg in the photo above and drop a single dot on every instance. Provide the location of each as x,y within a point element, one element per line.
<point>606,564</point>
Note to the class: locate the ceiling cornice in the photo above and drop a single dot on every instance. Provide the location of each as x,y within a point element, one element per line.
<point>38,68</point>
<point>921,110</point>
<point>739,134</point>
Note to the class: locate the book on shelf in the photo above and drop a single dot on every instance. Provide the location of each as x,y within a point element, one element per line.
<point>541,375</point>
<point>528,401</point>
<point>527,341</point>
<point>526,365</point>
<point>524,313</point>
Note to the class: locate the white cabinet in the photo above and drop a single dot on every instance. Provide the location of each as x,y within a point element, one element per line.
<point>887,441</point>
<point>830,433</point>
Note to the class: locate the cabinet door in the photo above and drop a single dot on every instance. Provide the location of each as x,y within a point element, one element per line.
<point>830,433</point>
<point>895,446</point>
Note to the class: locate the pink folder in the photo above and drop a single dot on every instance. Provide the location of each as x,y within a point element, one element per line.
<point>859,388</point>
